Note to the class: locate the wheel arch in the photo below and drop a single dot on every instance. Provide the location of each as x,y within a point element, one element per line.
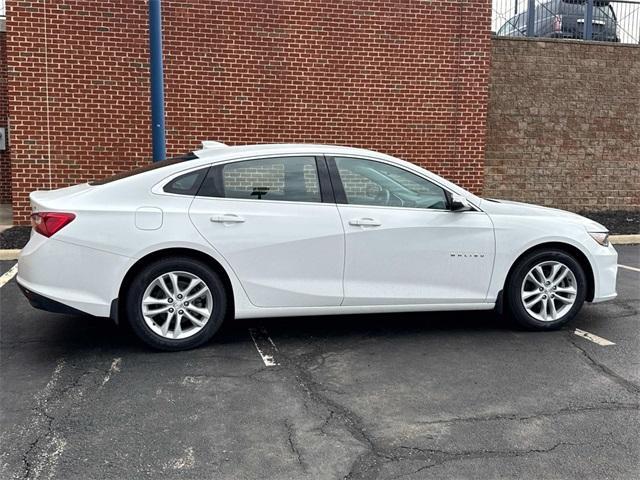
<point>117,308</point>
<point>575,252</point>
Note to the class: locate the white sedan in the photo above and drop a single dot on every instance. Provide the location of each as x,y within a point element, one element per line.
<point>272,230</point>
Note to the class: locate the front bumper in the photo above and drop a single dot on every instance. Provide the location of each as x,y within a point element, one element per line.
<point>605,269</point>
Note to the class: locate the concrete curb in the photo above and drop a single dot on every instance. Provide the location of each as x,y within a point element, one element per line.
<point>9,254</point>
<point>624,239</point>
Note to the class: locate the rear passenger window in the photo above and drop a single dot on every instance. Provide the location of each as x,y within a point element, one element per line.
<point>292,179</point>
<point>187,184</point>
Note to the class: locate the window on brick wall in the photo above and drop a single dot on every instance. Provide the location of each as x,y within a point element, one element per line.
<point>293,179</point>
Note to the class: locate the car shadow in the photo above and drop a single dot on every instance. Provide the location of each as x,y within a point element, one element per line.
<point>78,333</point>
<point>375,324</point>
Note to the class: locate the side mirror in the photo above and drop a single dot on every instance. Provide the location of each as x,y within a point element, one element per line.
<point>460,204</point>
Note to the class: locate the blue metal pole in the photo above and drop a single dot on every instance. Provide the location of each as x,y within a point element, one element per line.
<point>588,21</point>
<point>157,81</point>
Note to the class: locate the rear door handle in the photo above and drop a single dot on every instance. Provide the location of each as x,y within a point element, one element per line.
<point>227,218</point>
<point>365,222</point>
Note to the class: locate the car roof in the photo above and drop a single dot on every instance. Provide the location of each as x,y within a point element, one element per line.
<point>228,152</point>
<point>224,153</point>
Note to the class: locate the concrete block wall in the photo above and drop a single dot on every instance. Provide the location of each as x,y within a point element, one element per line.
<point>564,125</point>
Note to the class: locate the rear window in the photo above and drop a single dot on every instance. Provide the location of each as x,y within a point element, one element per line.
<point>187,184</point>
<point>146,168</point>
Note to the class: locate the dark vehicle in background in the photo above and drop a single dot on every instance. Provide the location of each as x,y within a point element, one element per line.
<point>565,19</point>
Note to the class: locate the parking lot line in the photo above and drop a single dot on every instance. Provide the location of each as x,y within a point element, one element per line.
<point>8,275</point>
<point>264,345</point>
<point>593,338</point>
<point>629,268</point>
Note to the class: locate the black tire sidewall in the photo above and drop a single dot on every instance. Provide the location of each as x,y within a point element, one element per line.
<point>151,272</point>
<point>514,284</point>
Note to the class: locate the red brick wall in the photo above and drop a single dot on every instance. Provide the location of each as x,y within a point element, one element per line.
<point>96,86</point>
<point>5,166</point>
<point>409,78</point>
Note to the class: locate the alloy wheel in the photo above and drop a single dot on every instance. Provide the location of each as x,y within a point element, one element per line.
<point>549,291</point>
<point>177,305</point>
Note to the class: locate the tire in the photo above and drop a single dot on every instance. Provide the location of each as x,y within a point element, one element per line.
<point>527,284</point>
<point>188,325</point>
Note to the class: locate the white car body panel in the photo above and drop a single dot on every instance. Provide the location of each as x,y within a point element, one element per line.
<point>410,264</point>
<point>416,256</point>
<point>41,271</point>
<point>271,244</point>
<point>520,227</point>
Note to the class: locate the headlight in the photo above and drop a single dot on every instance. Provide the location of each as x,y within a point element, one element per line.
<point>601,237</point>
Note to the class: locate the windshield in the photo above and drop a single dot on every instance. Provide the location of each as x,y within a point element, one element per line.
<point>146,168</point>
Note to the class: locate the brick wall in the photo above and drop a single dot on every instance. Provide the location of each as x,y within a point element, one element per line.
<point>409,78</point>
<point>5,166</point>
<point>564,125</point>
<point>78,92</point>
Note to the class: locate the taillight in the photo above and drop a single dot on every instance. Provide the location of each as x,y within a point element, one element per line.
<point>48,223</point>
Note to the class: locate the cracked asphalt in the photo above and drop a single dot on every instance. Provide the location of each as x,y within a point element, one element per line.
<point>413,396</point>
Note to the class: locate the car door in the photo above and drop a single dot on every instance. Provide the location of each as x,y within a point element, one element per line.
<point>403,245</point>
<point>277,225</point>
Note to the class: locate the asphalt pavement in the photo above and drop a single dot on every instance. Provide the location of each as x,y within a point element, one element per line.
<point>414,396</point>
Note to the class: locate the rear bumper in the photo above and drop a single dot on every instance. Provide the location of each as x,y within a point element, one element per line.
<point>579,35</point>
<point>43,303</point>
<point>69,278</point>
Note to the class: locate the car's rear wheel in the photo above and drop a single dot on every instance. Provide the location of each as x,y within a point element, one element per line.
<point>176,304</point>
<point>546,290</point>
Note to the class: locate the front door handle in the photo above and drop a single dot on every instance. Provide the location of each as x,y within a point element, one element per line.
<point>227,218</point>
<point>365,222</point>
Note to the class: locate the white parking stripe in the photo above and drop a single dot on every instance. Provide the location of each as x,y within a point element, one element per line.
<point>593,338</point>
<point>8,275</point>
<point>629,268</point>
<point>264,345</point>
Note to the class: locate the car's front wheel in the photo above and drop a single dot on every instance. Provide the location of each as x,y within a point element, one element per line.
<point>176,304</point>
<point>546,290</point>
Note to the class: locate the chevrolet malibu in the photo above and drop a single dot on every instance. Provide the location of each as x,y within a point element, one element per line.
<point>178,246</point>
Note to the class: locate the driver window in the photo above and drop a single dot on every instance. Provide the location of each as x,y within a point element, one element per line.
<point>367,182</point>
